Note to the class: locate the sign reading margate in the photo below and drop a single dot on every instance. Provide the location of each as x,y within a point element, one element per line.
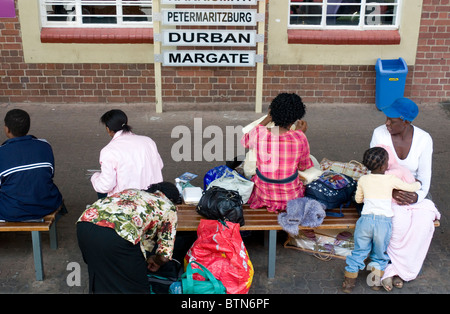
<point>209,57</point>
<point>209,38</point>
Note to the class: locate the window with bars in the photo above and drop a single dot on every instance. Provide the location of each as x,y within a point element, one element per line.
<point>96,13</point>
<point>344,14</point>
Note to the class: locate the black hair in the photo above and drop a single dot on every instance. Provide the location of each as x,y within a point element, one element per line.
<point>18,122</point>
<point>375,157</point>
<point>168,189</point>
<point>116,120</point>
<point>286,108</point>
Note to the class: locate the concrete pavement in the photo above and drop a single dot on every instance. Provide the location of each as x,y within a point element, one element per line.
<point>336,131</point>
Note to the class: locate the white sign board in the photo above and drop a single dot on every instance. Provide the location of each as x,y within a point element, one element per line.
<point>190,37</point>
<point>222,17</point>
<point>212,2</point>
<point>234,58</point>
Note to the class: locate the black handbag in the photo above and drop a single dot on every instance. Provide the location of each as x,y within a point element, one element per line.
<point>221,204</point>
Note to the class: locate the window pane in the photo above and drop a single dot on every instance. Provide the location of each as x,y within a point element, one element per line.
<point>378,13</point>
<point>134,13</point>
<point>60,10</point>
<point>343,12</point>
<point>100,13</point>
<point>124,12</point>
<point>306,12</point>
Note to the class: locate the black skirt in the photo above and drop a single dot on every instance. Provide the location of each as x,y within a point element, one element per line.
<point>115,265</point>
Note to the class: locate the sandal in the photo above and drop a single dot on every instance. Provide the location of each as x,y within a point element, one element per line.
<point>397,282</point>
<point>387,284</point>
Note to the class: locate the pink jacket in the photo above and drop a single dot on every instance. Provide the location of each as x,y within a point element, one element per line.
<point>128,161</point>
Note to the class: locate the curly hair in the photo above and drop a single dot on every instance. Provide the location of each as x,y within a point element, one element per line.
<point>286,108</point>
<point>375,157</point>
<point>168,189</point>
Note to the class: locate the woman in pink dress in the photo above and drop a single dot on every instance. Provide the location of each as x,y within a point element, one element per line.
<point>280,154</point>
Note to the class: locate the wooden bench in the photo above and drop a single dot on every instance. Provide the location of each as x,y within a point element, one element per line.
<point>48,224</point>
<point>261,219</point>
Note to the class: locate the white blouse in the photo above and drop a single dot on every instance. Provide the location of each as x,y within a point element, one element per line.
<point>419,157</point>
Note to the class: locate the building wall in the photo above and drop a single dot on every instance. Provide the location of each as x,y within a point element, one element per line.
<point>124,73</point>
<point>431,75</point>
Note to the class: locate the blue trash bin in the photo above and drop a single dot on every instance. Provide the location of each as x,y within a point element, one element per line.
<point>390,81</point>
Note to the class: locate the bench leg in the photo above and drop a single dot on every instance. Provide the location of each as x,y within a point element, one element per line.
<point>37,255</point>
<point>53,237</point>
<point>272,253</point>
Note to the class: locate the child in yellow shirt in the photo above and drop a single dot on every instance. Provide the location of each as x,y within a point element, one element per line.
<point>374,228</point>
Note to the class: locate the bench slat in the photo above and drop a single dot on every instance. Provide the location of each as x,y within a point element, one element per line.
<point>30,226</point>
<point>261,219</point>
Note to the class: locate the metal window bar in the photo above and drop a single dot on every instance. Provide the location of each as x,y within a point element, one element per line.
<point>369,15</point>
<point>73,13</point>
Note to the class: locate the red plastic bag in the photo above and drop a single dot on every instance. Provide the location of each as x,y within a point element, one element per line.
<point>221,250</point>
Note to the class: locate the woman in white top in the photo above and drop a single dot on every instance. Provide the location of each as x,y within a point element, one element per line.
<point>413,147</point>
<point>413,229</point>
<point>128,161</point>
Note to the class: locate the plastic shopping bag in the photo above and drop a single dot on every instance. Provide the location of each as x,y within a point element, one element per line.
<point>188,285</point>
<point>219,248</point>
<point>231,180</point>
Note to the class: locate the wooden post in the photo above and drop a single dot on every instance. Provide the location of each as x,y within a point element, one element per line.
<point>260,65</point>
<point>157,51</point>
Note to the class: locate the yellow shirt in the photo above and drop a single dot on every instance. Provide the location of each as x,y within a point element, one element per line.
<point>375,190</point>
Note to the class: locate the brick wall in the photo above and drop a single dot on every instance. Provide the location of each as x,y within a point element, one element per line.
<point>427,81</point>
<point>76,83</point>
<point>323,83</point>
<point>431,76</point>
<point>209,85</point>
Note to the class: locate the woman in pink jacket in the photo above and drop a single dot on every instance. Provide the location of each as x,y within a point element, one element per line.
<point>128,161</point>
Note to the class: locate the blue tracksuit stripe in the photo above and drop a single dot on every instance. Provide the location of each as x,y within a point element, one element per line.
<point>26,167</point>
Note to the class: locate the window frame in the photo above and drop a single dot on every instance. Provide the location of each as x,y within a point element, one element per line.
<point>361,25</point>
<point>78,23</point>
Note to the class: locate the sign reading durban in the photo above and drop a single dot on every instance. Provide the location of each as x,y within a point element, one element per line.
<point>182,37</point>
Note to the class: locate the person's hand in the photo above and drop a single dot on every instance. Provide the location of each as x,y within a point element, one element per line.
<point>155,262</point>
<point>404,198</point>
<point>267,119</point>
<point>301,125</point>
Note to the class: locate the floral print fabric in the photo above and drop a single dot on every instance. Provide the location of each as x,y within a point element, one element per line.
<point>138,217</point>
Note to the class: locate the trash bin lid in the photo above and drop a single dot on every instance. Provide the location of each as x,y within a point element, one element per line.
<point>391,65</point>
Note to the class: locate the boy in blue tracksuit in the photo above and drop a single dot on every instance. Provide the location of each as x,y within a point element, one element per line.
<point>27,167</point>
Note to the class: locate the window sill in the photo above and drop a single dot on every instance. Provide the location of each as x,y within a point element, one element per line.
<point>97,35</point>
<point>344,37</point>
